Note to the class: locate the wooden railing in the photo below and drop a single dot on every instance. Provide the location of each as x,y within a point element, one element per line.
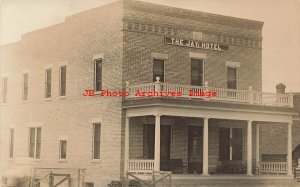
<point>273,167</point>
<point>221,94</point>
<point>141,165</point>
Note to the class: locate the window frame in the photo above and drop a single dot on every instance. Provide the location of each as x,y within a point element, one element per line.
<point>164,69</point>
<point>203,68</point>
<point>4,89</point>
<point>60,81</point>
<point>24,91</point>
<point>98,60</point>
<point>47,82</point>
<point>237,77</point>
<point>35,143</point>
<point>93,142</point>
<point>60,149</point>
<point>11,142</point>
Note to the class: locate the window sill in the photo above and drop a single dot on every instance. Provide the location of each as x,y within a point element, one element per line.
<point>48,99</point>
<point>96,161</point>
<point>34,159</point>
<point>24,101</point>
<point>11,159</point>
<point>3,104</point>
<point>62,161</point>
<point>62,97</point>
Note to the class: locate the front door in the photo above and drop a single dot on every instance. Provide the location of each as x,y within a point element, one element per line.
<point>195,148</point>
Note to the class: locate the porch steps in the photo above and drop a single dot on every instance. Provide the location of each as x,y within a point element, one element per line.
<point>235,183</point>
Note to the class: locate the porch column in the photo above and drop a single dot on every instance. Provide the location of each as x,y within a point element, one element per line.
<point>249,147</point>
<point>257,146</point>
<point>205,147</point>
<point>157,144</point>
<point>289,150</point>
<point>126,156</point>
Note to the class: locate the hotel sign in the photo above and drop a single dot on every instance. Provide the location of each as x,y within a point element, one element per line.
<point>196,44</point>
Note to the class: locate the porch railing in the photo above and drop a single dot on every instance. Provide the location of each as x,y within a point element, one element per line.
<point>221,94</point>
<point>273,167</point>
<point>141,165</point>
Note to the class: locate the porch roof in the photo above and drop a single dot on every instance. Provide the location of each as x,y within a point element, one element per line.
<point>161,101</point>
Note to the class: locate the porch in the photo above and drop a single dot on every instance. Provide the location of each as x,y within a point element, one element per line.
<point>182,149</point>
<point>194,146</point>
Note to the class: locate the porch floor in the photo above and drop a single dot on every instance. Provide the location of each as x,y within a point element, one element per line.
<point>229,176</point>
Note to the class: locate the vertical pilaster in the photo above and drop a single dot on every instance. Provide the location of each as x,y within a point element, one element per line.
<point>157,144</point>
<point>257,154</point>
<point>249,147</point>
<point>126,156</point>
<point>289,150</point>
<point>205,146</point>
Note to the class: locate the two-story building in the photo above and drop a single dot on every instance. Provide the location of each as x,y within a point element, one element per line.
<point>194,102</point>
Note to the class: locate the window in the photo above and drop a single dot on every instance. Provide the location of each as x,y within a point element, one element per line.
<point>35,142</point>
<point>48,83</point>
<point>89,184</point>
<point>96,140</point>
<point>232,78</point>
<point>62,80</point>
<point>197,72</point>
<point>158,70</point>
<point>4,90</point>
<point>11,143</point>
<point>98,74</point>
<point>63,149</point>
<point>25,86</point>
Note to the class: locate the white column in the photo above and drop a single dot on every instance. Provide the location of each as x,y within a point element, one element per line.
<point>205,147</point>
<point>257,146</point>
<point>126,156</point>
<point>289,150</point>
<point>157,144</point>
<point>249,148</point>
<point>230,148</point>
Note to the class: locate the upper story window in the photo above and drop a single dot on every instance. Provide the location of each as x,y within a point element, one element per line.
<point>4,90</point>
<point>48,83</point>
<point>11,143</point>
<point>98,74</point>
<point>158,70</point>
<point>35,142</point>
<point>25,86</point>
<point>197,72</point>
<point>232,78</point>
<point>63,149</point>
<point>62,80</point>
<point>96,140</point>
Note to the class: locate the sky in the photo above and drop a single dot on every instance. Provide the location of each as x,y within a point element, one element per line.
<point>281,32</point>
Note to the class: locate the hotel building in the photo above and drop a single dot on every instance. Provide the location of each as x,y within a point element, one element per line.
<point>48,122</point>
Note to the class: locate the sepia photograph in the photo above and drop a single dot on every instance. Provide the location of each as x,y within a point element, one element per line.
<point>149,93</point>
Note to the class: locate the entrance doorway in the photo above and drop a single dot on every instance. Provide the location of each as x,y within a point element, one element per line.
<point>195,147</point>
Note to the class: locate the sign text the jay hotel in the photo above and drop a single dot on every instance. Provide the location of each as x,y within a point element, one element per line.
<point>196,44</point>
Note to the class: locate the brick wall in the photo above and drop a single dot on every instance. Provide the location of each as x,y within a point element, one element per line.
<point>74,42</point>
<point>143,35</point>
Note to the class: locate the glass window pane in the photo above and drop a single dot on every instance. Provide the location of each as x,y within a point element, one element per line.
<point>63,149</point>
<point>25,86</point>
<point>31,142</point>
<point>98,75</point>
<point>11,147</point>
<point>197,72</point>
<point>232,78</point>
<point>63,77</point>
<point>4,94</point>
<point>158,70</point>
<point>48,83</point>
<point>96,143</point>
